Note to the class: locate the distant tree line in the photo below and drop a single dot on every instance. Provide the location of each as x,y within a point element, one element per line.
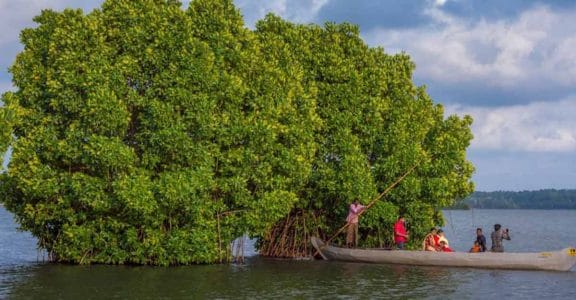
<point>541,199</point>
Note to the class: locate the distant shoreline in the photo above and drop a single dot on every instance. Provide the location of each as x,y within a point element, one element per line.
<point>548,199</point>
<point>476,208</point>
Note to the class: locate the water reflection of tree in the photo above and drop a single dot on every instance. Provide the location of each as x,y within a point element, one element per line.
<point>257,278</point>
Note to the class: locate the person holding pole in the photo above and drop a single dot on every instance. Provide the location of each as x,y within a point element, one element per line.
<point>400,233</point>
<point>386,191</point>
<point>352,220</point>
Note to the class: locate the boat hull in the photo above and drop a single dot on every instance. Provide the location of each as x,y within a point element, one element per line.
<point>562,260</point>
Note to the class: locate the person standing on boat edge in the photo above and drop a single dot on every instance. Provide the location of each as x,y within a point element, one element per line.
<point>400,233</point>
<point>481,239</point>
<point>352,219</point>
<point>497,236</point>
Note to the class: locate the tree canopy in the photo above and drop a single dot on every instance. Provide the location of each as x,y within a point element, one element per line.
<point>146,133</point>
<point>376,124</point>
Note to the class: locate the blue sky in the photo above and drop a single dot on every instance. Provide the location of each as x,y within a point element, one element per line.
<point>510,64</point>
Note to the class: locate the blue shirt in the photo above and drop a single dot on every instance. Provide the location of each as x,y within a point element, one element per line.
<point>481,240</point>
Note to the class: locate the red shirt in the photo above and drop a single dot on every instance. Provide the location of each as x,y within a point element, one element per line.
<point>399,228</point>
<point>447,249</point>
<point>436,240</point>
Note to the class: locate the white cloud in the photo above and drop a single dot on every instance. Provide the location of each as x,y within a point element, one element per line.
<point>17,15</point>
<point>256,10</point>
<point>5,86</point>
<point>14,16</point>
<point>301,11</point>
<point>537,46</point>
<point>538,127</point>
<point>502,170</point>
<point>562,61</point>
<point>439,2</point>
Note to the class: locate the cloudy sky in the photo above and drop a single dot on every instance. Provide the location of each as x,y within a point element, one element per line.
<point>511,64</point>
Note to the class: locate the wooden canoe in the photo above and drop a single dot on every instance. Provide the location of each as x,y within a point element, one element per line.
<point>562,260</point>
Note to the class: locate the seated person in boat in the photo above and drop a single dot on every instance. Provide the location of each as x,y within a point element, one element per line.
<point>353,212</point>
<point>444,247</point>
<point>431,240</point>
<point>442,237</point>
<point>497,236</point>
<point>481,239</point>
<point>476,248</point>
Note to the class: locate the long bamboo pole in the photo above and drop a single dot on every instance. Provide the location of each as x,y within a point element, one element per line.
<point>386,191</point>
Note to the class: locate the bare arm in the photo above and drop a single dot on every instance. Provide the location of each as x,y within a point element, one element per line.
<point>357,208</point>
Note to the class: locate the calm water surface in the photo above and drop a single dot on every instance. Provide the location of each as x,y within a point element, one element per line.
<point>22,276</point>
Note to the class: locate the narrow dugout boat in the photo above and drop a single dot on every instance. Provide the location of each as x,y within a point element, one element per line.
<point>562,260</point>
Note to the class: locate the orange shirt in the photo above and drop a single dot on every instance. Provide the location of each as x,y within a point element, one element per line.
<point>475,249</point>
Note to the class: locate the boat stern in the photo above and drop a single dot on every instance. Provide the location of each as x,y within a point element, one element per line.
<point>572,256</point>
<point>318,245</point>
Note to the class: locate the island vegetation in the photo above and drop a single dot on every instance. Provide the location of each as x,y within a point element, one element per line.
<point>145,133</point>
<point>540,199</point>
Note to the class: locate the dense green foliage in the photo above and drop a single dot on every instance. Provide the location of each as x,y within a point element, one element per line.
<point>541,199</point>
<point>144,133</point>
<point>142,129</point>
<point>375,125</point>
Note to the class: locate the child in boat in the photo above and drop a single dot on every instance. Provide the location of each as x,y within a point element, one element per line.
<point>442,237</point>
<point>476,248</point>
<point>444,247</point>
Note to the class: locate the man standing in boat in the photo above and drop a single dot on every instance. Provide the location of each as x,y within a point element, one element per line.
<point>352,234</point>
<point>400,233</point>
<point>498,235</point>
